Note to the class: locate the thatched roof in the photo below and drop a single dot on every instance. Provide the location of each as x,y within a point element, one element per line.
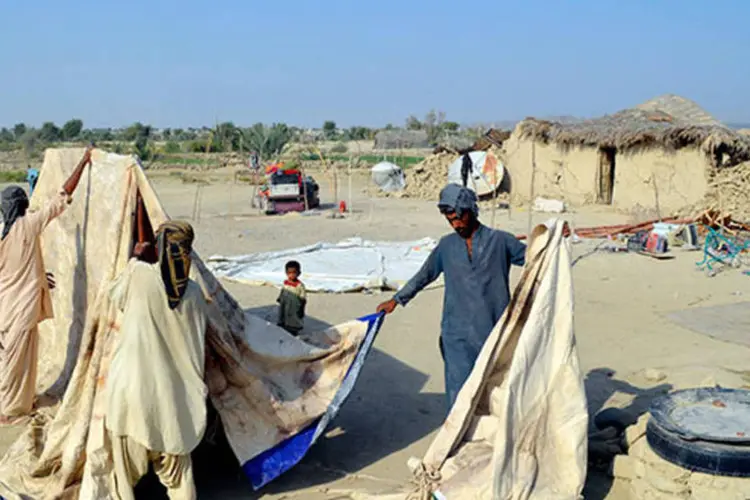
<point>496,137</point>
<point>667,122</point>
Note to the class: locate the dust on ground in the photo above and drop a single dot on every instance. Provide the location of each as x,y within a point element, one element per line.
<point>398,403</point>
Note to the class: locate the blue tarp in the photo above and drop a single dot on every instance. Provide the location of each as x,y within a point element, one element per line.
<point>272,463</point>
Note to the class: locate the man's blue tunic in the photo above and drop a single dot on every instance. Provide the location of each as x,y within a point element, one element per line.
<point>476,295</point>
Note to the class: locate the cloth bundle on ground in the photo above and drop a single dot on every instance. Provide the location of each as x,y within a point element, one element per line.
<point>267,386</point>
<point>518,429</point>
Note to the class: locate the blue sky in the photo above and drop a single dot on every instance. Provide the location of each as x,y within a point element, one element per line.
<point>188,63</point>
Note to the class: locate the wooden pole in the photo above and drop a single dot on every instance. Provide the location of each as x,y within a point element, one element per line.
<point>304,185</point>
<point>656,197</point>
<point>531,188</point>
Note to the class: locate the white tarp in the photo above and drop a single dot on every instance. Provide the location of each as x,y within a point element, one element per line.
<point>388,177</point>
<point>351,265</point>
<point>486,175</point>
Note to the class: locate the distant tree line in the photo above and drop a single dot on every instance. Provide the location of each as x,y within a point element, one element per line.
<point>147,141</point>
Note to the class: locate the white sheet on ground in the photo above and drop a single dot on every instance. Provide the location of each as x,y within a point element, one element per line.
<point>350,265</point>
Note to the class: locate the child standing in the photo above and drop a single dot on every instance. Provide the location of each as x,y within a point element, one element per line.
<point>292,300</point>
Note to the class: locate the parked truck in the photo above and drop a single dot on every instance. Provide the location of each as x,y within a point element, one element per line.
<point>286,190</point>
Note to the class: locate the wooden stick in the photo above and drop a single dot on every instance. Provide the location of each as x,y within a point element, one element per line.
<point>195,203</point>
<point>531,189</point>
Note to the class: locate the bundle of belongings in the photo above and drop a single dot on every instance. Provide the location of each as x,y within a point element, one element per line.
<point>274,393</point>
<point>663,237</point>
<point>518,429</point>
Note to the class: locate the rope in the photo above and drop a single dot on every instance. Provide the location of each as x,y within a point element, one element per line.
<point>424,482</point>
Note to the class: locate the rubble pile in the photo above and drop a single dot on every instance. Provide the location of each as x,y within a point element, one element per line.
<point>425,179</point>
<point>729,191</point>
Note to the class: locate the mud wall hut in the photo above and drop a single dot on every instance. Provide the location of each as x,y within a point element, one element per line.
<point>658,156</point>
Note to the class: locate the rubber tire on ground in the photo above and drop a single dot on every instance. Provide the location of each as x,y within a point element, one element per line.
<point>700,456</point>
<point>613,417</point>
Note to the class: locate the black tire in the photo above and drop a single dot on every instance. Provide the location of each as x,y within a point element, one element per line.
<point>613,417</point>
<point>700,456</point>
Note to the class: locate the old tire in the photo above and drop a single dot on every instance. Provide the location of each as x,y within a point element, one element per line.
<point>701,456</point>
<point>613,417</point>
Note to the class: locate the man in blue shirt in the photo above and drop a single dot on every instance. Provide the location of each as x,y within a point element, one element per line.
<point>476,263</point>
<point>32,175</point>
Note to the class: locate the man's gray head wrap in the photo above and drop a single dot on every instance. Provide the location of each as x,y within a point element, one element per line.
<point>458,199</point>
<point>13,205</point>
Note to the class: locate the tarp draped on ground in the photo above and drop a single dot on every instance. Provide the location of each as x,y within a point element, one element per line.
<point>348,266</point>
<point>518,430</point>
<point>273,392</point>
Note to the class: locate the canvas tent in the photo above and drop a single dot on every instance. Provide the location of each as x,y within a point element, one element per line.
<point>273,392</point>
<point>388,177</point>
<point>518,429</point>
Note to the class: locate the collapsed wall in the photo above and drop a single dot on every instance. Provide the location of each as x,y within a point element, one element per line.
<point>425,179</point>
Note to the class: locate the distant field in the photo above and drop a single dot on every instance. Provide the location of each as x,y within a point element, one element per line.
<point>12,176</point>
<point>184,160</point>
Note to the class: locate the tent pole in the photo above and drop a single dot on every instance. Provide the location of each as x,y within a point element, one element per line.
<point>531,188</point>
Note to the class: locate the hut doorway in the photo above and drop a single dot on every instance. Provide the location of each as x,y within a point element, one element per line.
<point>606,176</point>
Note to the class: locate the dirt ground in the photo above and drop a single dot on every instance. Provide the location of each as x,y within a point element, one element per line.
<point>621,328</point>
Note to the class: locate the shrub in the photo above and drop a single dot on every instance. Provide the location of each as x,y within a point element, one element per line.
<point>171,147</point>
<point>339,148</point>
<point>13,176</point>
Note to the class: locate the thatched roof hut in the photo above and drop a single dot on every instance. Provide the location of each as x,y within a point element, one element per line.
<point>668,122</point>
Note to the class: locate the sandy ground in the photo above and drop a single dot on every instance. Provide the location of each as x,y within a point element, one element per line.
<point>398,403</point>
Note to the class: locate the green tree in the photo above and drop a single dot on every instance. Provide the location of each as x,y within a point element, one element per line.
<point>18,130</point>
<point>29,141</point>
<point>72,129</point>
<point>358,133</point>
<point>6,135</point>
<point>451,126</point>
<point>49,132</point>
<point>166,134</point>
<point>413,123</point>
<point>226,137</point>
<point>267,141</point>
<point>329,129</point>
<point>137,130</point>
<point>142,148</point>
<point>433,122</point>
<point>171,147</point>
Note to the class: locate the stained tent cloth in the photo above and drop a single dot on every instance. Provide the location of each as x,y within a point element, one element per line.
<point>273,392</point>
<point>518,429</point>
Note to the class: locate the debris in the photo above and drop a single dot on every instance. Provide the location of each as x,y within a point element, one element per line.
<point>547,205</point>
<point>425,179</point>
